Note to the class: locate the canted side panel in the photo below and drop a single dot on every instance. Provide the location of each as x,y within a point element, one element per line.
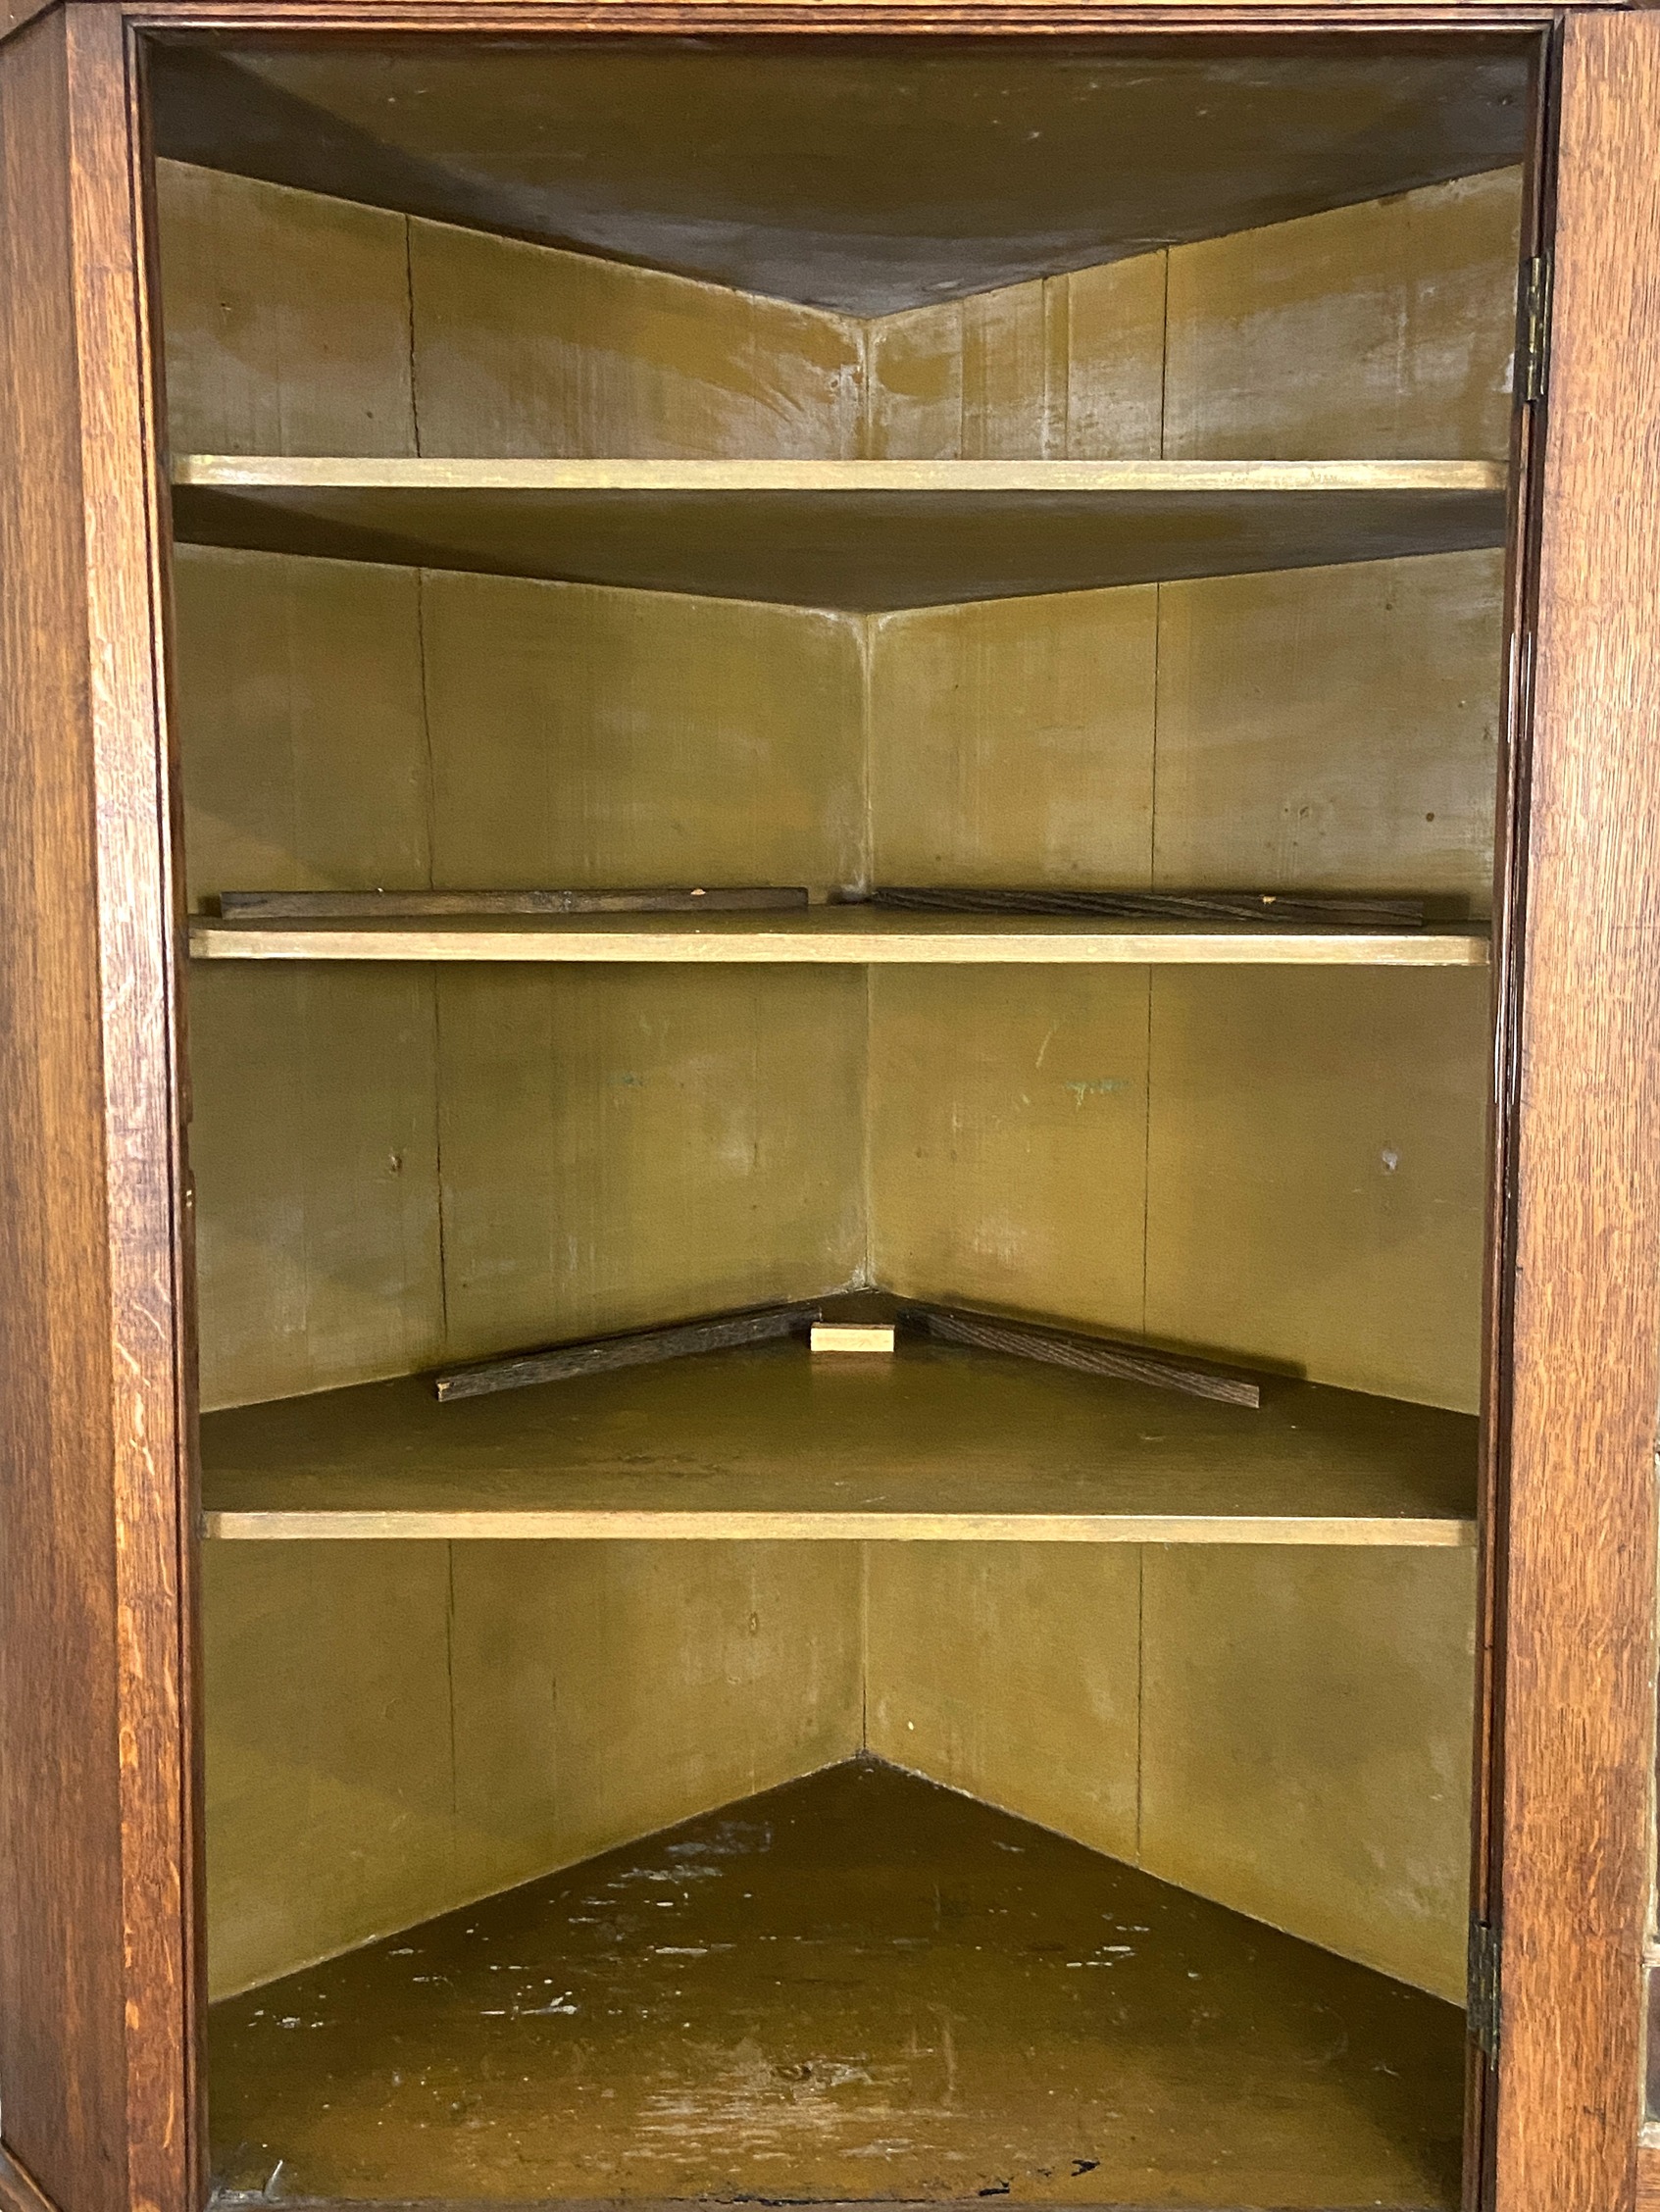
<point>523,350</point>
<point>1008,1139</point>
<point>301,324</point>
<point>397,1729</point>
<point>347,726</point>
<point>1333,729</point>
<point>1064,368</point>
<point>629,738</point>
<point>1284,1730</point>
<point>396,1168</point>
<point>1306,1720</point>
<point>1382,329</point>
<point>301,711</point>
<point>637,1146</point>
<point>1013,740</point>
<point>400,1167</point>
<point>1012,1672</point>
<point>1317,1170</point>
<point>285,317</point>
<point>315,1145</point>
<point>1289,1133</point>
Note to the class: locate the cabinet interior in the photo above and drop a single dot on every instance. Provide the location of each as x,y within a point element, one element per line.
<point>415,1148</point>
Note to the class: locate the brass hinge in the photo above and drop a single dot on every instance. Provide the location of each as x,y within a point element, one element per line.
<point>1536,328</point>
<point>1483,1989</point>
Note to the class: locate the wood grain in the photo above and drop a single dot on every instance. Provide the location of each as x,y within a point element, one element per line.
<point>18,2192</point>
<point>894,17</point>
<point>1069,367</point>
<point>1268,907</point>
<point>1173,478</point>
<point>416,906</point>
<point>97,1841</point>
<point>14,14</point>
<point>639,1348</point>
<point>1584,1357</point>
<point>839,935</point>
<point>1088,1355</point>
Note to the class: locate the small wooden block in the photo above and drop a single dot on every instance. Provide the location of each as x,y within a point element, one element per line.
<point>851,1336</point>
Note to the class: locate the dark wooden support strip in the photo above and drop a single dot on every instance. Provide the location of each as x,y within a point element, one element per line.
<point>1276,907</point>
<point>19,2191</point>
<point>423,906</point>
<point>639,1348</point>
<point>1091,1355</point>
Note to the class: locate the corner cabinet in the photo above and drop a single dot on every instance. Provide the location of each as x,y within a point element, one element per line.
<point>829,1087</point>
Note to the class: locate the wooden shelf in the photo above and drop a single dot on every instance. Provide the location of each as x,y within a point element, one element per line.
<point>859,1981</point>
<point>864,534</point>
<point>934,1442</point>
<point>844,936</point>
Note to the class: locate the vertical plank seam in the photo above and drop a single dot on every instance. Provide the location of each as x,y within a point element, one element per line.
<point>870,631</point>
<point>431,810</point>
<point>1165,361</point>
<point>433,980</point>
<point>414,360</point>
<point>870,640</point>
<point>1152,979</point>
<point>1150,974</point>
<point>867,1142</point>
<point>864,429</point>
<point>864,1647</point>
<point>449,1697</point>
<point>1140,1685</point>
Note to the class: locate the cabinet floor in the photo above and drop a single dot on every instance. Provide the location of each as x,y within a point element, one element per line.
<point>859,1985</point>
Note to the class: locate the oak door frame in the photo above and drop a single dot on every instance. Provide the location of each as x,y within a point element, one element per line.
<point>1579,1348</point>
<point>98,1921</point>
<point>1570,1519</point>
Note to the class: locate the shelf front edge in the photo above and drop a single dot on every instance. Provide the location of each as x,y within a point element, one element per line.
<point>576,1525</point>
<point>225,472</point>
<point>846,948</point>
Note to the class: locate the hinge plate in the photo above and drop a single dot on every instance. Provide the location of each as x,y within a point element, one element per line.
<point>1484,1987</point>
<point>1535,348</point>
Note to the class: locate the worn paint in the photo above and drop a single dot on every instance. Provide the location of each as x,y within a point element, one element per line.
<point>855,1987</point>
